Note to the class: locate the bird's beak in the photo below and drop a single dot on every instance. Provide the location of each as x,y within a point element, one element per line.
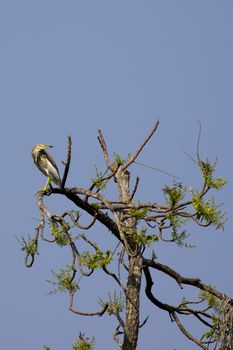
<point>49,146</point>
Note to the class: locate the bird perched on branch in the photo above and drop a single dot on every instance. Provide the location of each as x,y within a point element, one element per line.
<point>46,165</point>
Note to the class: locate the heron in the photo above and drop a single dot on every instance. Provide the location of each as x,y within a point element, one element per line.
<point>46,164</point>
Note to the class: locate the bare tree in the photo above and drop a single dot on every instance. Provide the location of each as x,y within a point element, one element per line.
<point>136,226</point>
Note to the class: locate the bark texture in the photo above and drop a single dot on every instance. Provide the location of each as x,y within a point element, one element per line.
<point>127,228</point>
<point>132,303</point>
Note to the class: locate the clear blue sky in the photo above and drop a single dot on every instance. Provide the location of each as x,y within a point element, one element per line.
<point>71,67</point>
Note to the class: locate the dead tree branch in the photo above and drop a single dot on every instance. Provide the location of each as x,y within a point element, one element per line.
<point>196,282</point>
<point>83,313</point>
<point>67,164</point>
<point>135,188</point>
<point>105,151</point>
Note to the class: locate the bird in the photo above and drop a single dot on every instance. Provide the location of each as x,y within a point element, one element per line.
<point>46,164</point>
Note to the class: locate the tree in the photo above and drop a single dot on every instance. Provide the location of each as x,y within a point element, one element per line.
<point>136,226</point>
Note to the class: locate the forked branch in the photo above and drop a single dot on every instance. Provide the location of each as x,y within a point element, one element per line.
<point>196,282</point>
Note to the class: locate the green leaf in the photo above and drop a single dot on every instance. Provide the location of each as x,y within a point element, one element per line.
<point>96,260</point>
<point>98,179</point>
<point>211,300</point>
<point>119,160</point>
<point>174,194</point>
<point>115,303</point>
<point>83,343</point>
<point>141,237</point>
<point>30,245</point>
<point>64,281</point>
<point>59,233</point>
<point>139,213</point>
<point>208,169</point>
<point>208,211</point>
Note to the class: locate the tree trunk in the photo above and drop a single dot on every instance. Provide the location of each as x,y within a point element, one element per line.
<point>127,227</point>
<point>132,303</point>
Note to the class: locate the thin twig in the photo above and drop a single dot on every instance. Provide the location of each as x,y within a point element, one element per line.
<point>101,179</point>
<point>80,266</point>
<point>159,170</point>
<point>116,338</point>
<point>82,313</point>
<point>113,275</point>
<point>135,155</point>
<point>29,259</point>
<point>186,333</point>
<point>190,157</point>
<point>75,220</point>
<point>144,322</point>
<point>134,189</point>
<point>198,143</point>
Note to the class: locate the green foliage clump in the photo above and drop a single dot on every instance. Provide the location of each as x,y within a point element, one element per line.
<point>83,343</point>
<point>120,160</point>
<point>60,234</point>
<point>208,211</point>
<point>175,221</point>
<point>213,333</point>
<point>212,303</point>
<point>178,237</point>
<point>64,281</point>
<point>208,169</point>
<point>218,183</point>
<point>98,180</point>
<point>141,237</point>
<point>211,300</point>
<point>30,245</point>
<point>96,260</point>
<point>115,303</point>
<point>174,194</point>
<point>139,213</point>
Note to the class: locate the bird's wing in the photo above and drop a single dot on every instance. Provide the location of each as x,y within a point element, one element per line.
<point>51,160</point>
<point>51,167</point>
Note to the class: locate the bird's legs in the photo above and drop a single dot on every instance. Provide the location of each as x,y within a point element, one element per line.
<point>46,185</point>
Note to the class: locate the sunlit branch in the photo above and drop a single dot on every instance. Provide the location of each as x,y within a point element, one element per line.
<point>105,151</point>
<point>116,338</point>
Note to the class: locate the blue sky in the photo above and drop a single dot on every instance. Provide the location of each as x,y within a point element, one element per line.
<point>72,67</point>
